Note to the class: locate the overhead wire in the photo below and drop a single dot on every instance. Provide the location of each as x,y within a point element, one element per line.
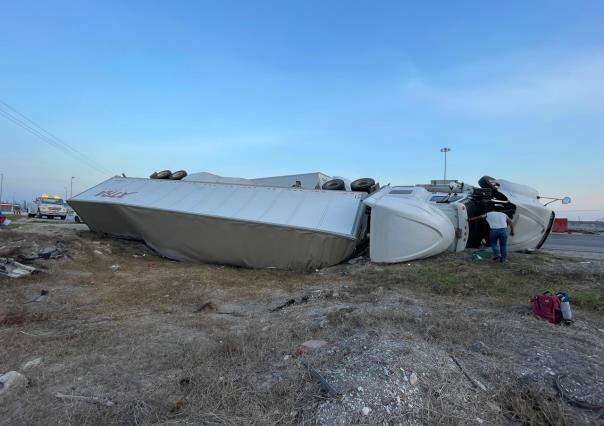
<point>29,125</point>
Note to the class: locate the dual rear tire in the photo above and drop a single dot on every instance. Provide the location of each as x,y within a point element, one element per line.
<point>359,185</point>
<point>167,174</point>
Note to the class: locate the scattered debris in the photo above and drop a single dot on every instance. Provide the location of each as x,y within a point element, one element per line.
<point>494,406</point>
<point>366,411</point>
<point>29,334</point>
<point>208,306</point>
<point>326,388</point>
<point>115,268</point>
<point>310,345</point>
<point>31,364</point>
<point>11,381</point>
<point>413,379</point>
<point>285,305</point>
<point>570,389</point>
<point>98,252</point>
<point>479,346</point>
<point>235,314</point>
<point>10,268</point>
<point>89,399</point>
<point>177,406</point>
<point>472,380</point>
<point>41,298</point>
<point>291,302</point>
<point>480,255</point>
<point>358,260</point>
<point>47,253</point>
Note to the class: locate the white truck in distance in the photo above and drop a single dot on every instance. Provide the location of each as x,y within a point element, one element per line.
<point>49,206</point>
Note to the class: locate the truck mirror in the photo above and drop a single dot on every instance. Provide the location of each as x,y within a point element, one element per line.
<point>566,200</point>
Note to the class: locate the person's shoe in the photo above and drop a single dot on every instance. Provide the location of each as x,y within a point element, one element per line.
<point>496,258</point>
<point>504,261</point>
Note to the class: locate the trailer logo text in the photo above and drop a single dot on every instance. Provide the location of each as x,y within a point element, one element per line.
<point>113,194</point>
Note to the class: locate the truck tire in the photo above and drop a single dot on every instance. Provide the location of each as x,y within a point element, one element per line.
<point>362,185</point>
<point>153,175</point>
<point>164,174</point>
<point>178,175</point>
<point>488,182</point>
<point>31,215</point>
<point>334,185</point>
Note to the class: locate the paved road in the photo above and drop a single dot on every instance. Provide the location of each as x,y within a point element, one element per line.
<point>576,244</point>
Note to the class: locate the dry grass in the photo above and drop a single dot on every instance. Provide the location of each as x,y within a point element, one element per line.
<point>140,337</point>
<point>531,404</point>
<point>455,277</point>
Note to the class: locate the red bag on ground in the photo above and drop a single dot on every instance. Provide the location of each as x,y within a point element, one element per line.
<point>547,306</point>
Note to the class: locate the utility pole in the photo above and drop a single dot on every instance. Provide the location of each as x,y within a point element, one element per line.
<point>1,185</point>
<point>71,187</point>
<point>445,150</point>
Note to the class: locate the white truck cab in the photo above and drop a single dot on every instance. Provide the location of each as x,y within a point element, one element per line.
<point>49,206</point>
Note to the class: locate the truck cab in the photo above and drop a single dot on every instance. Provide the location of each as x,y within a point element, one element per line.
<point>50,206</point>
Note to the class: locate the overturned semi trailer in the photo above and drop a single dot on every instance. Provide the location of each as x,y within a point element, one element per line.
<point>302,221</point>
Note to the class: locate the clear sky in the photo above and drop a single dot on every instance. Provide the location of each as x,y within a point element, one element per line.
<point>349,88</point>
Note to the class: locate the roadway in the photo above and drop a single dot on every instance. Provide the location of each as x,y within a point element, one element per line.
<point>582,245</point>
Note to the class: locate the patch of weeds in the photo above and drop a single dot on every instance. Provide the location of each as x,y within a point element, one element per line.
<point>243,380</point>
<point>591,300</point>
<point>451,277</point>
<point>18,316</point>
<point>530,404</point>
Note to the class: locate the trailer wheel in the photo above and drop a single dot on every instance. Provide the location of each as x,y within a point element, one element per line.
<point>362,185</point>
<point>178,175</point>
<point>334,185</point>
<point>488,182</point>
<point>164,174</point>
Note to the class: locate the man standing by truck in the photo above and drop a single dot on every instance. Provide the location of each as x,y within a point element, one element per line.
<point>498,237</point>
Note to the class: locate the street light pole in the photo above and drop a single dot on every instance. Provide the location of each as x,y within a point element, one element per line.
<point>1,185</point>
<point>71,187</point>
<point>445,150</point>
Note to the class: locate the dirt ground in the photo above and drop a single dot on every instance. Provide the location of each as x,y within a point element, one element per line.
<point>446,340</point>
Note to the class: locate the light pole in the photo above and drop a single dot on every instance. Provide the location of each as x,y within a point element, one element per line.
<point>71,187</point>
<point>445,150</point>
<point>1,185</point>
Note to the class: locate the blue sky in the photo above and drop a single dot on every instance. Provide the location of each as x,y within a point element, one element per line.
<point>348,88</point>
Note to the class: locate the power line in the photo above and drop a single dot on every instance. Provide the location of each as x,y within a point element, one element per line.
<point>52,140</point>
<point>46,132</point>
<point>47,137</point>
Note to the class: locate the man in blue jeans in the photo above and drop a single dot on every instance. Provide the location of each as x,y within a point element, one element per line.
<point>498,222</point>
